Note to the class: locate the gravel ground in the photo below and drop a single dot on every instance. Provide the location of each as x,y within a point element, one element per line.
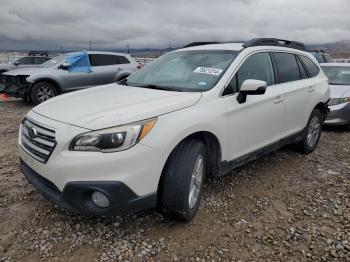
<point>283,207</point>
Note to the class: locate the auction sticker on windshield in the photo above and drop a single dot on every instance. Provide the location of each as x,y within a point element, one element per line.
<point>208,71</point>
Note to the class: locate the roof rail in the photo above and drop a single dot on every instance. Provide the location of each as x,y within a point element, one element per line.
<point>274,42</point>
<point>40,53</point>
<point>200,43</point>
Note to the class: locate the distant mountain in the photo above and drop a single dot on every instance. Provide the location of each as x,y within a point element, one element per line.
<point>336,45</point>
<point>337,49</point>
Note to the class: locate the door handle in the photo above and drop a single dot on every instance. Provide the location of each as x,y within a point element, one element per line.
<point>278,99</point>
<point>310,89</point>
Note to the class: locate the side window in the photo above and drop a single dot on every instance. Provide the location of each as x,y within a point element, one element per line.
<point>26,60</point>
<point>122,60</point>
<point>303,73</point>
<point>44,59</point>
<point>320,58</point>
<point>257,66</point>
<point>102,60</point>
<point>287,67</point>
<point>327,58</point>
<point>310,66</point>
<point>38,60</point>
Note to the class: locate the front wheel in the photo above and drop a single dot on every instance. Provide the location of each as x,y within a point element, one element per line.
<point>182,181</point>
<point>312,133</point>
<point>42,91</point>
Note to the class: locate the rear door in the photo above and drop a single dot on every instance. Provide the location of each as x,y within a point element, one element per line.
<point>106,67</point>
<point>293,79</point>
<point>257,123</point>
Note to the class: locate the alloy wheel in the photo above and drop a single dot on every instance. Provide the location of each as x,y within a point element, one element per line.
<point>196,181</point>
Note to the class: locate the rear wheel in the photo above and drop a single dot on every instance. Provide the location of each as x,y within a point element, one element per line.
<point>182,182</point>
<point>312,133</point>
<point>42,91</point>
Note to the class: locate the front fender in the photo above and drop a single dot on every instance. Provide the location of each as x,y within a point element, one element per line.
<point>50,79</point>
<point>172,128</point>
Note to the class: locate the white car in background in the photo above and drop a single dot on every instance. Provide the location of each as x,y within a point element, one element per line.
<point>151,139</point>
<point>339,84</point>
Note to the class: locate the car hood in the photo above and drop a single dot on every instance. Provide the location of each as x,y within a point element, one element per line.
<point>338,91</point>
<point>25,71</point>
<point>113,105</point>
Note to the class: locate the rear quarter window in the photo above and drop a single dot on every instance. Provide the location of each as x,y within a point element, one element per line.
<point>310,66</point>
<point>122,60</point>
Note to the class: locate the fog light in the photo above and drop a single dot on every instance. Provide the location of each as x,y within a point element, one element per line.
<point>100,199</point>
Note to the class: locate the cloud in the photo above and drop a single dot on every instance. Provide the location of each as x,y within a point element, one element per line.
<point>52,24</point>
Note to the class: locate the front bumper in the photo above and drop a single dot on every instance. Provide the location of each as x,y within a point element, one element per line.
<point>15,86</point>
<point>76,196</point>
<point>138,168</point>
<point>339,115</point>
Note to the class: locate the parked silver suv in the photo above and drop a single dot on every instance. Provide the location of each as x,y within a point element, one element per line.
<point>54,77</point>
<point>24,62</point>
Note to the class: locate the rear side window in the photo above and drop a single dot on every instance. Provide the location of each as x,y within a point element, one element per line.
<point>287,67</point>
<point>102,60</point>
<point>310,66</point>
<point>303,73</point>
<point>122,60</point>
<point>26,60</point>
<point>319,57</point>
<point>106,60</point>
<point>39,60</point>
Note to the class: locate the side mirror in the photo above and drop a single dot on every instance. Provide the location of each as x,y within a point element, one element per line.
<point>251,87</point>
<point>16,63</point>
<point>65,66</point>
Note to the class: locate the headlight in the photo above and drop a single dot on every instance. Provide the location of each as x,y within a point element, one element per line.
<point>337,101</point>
<point>113,139</point>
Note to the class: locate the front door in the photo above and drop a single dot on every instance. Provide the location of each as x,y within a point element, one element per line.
<point>257,123</point>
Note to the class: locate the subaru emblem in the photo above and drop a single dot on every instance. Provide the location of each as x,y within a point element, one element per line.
<point>32,132</point>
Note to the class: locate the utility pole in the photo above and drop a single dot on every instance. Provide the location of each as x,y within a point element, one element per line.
<point>90,45</point>
<point>128,48</point>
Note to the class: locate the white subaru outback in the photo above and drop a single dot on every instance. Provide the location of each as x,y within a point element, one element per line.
<point>150,140</point>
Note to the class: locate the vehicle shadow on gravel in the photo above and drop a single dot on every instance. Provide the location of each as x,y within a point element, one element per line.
<point>214,187</point>
<point>336,129</point>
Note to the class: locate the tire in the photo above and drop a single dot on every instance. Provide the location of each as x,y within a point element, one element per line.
<point>41,92</point>
<point>181,187</point>
<point>312,133</point>
<point>123,77</point>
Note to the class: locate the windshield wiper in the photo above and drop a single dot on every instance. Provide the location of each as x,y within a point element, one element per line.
<point>165,88</point>
<point>336,84</point>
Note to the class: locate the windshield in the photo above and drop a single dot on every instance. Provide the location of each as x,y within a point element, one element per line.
<point>189,71</point>
<point>337,75</point>
<point>54,61</point>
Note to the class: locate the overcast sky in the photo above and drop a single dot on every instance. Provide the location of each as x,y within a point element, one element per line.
<point>52,24</point>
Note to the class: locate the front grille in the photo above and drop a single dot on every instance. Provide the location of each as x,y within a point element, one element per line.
<point>37,140</point>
